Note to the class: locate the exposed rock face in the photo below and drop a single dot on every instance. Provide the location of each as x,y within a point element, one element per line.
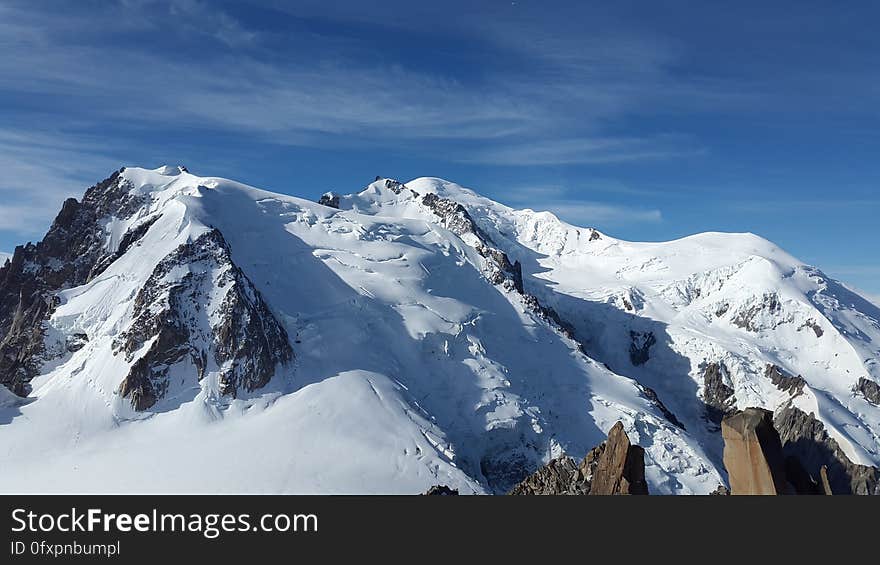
<point>620,469</point>
<point>455,217</point>
<point>187,316</point>
<point>785,382</point>
<point>805,437</point>
<point>613,467</point>
<point>72,253</point>
<point>717,396</point>
<point>394,185</point>
<point>329,199</point>
<point>441,490</point>
<point>869,389</point>
<point>752,318</point>
<point>817,329</point>
<point>640,347</point>
<point>651,395</point>
<point>243,341</point>
<point>753,453</point>
<point>801,458</point>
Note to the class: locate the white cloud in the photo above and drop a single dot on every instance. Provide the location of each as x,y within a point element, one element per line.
<point>38,171</point>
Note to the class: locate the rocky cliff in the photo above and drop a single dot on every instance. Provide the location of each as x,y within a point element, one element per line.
<point>789,453</point>
<point>196,306</point>
<point>73,252</point>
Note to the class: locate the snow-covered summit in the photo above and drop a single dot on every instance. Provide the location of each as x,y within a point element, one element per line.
<point>188,333</point>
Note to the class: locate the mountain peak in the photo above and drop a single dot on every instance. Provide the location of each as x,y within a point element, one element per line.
<point>420,329</point>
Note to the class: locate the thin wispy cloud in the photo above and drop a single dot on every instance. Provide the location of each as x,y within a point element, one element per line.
<point>597,214</point>
<point>577,211</point>
<point>773,206</point>
<point>596,150</point>
<point>40,170</point>
<point>293,99</point>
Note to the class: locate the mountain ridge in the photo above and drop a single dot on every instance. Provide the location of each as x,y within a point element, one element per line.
<point>495,339</point>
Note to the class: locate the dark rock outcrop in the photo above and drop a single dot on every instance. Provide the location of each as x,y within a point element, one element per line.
<point>803,436</point>
<point>613,467</point>
<point>753,453</point>
<point>455,217</point>
<point>651,395</point>
<point>330,199</point>
<point>717,396</point>
<point>72,253</point>
<point>237,330</point>
<point>794,386</point>
<point>869,389</point>
<point>813,325</point>
<point>640,347</point>
<point>748,318</point>
<point>441,490</point>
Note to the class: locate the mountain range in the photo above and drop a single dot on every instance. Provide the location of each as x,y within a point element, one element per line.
<point>179,333</point>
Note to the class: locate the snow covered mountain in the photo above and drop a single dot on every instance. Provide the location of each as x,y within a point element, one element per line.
<point>177,333</point>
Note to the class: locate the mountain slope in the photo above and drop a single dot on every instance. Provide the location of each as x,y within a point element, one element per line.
<point>731,301</point>
<point>183,333</point>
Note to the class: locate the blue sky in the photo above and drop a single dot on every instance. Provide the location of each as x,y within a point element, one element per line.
<point>648,120</point>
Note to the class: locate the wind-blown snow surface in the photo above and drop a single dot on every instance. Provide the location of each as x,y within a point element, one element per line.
<point>413,370</point>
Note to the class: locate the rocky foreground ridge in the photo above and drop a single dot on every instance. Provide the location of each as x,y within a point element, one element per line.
<point>757,461</point>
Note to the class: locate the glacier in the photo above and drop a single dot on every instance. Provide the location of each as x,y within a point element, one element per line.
<point>444,339</point>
